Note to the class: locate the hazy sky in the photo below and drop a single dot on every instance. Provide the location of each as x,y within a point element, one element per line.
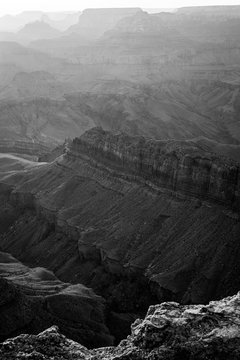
<point>16,6</point>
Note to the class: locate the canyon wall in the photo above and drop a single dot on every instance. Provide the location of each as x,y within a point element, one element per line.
<point>180,166</point>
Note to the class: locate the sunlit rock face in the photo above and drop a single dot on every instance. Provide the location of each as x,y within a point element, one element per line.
<point>169,331</point>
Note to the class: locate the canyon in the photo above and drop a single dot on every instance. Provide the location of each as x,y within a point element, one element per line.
<point>206,114</point>
<point>139,221</point>
<point>120,184</point>
<point>161,75</point>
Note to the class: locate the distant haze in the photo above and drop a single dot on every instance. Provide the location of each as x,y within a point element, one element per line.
<point>16,6</point>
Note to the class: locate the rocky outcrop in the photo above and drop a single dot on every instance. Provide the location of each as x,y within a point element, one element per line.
<point>33,299</point>
<point>180,166</point>
<point>168,332</point>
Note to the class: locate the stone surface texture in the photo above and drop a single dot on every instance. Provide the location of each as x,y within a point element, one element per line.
<point>169,331</point>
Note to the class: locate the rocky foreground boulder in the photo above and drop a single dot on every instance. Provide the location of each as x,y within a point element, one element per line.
<point>169,331</point>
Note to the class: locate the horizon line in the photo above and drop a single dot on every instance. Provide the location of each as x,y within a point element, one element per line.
<point>116,7</point>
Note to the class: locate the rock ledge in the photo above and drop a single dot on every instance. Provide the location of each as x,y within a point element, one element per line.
<point>169,331</point>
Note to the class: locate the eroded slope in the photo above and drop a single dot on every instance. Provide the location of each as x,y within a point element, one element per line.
<point>33,299</point>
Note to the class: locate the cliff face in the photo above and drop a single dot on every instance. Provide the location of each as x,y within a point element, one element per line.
<point>168,332</point>
<point>180,166</point>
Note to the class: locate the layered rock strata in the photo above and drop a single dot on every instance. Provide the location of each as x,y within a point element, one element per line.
<point>22,147</point>
<point>178,165</point>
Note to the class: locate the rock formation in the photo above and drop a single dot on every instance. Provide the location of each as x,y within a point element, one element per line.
<point>59,20</point>
<point>161,111</point>
<point>168,332</point>
<point>123,222</point>
<point>141,218</point>
<point>21,147</point>
<point>94,22</point>
<point>167,75</point>
<point>180,166</point>
<point>33,299</point>
<point>37,30</point>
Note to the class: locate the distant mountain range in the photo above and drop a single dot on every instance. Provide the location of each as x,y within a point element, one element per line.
<point>59,20</point>
<point>37,30</point>
<point>94,22</point>
<point>163,75</point>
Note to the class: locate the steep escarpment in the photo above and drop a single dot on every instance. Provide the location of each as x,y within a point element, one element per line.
<point>177,165</point>
<point>106,214</point>
<point>33,299</point>
<point>168,332</point>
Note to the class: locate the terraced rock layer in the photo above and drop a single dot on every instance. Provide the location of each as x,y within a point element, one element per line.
<point>22,147</point>
<point>173,164</point>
